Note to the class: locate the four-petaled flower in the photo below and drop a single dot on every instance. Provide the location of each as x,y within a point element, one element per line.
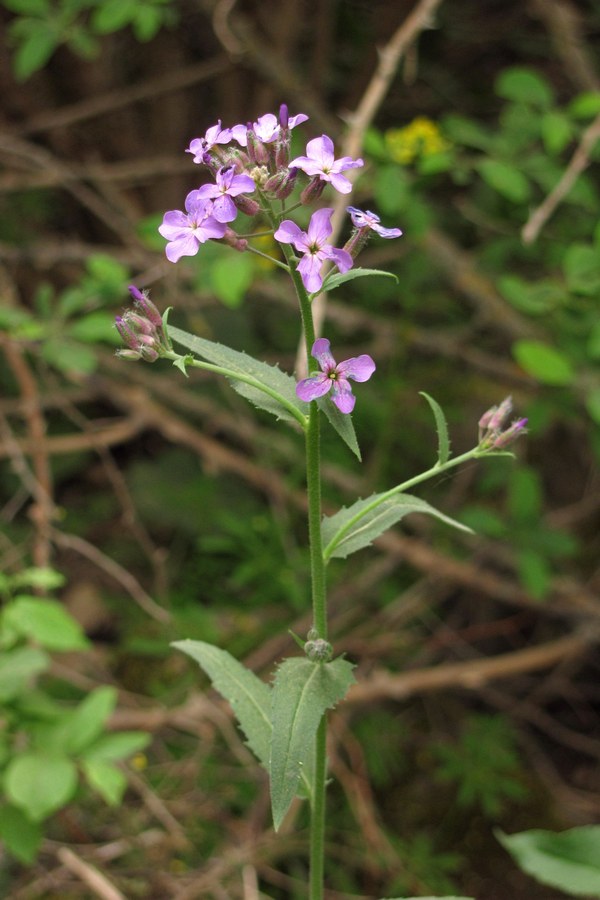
<point>184,232</point>
<point>320,161</point>
<point>266,128</point>
<point>200,147</point>
<point>228,185</point>
<point>334,377</point>
<point>313,244</point>
<point>371,221</point>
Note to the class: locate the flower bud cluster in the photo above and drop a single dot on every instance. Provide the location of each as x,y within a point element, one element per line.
<point>141,329</point>
<point>493,435</point>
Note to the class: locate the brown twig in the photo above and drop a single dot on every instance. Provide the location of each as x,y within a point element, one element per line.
<point>389,59</point>
<point>91,877</point>
<point>579,161</point>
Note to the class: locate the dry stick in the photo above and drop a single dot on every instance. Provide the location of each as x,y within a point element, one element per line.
<point>95,880</point>
<point>579,161</point>
<point>471,675</point>
<point>564,23</point>
<point>389,60</point>
<point>42,511</point>
<point>120,574</point>
<point>166,83</point>
<point>46,161</point>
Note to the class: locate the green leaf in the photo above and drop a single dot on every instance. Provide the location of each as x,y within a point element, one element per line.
<point>250,698</point>
<point>543,362</point>
<point>524,85</point>
<point>585,105</point>
<point>45,621</point>
<point>18,668</point>
<point>291,409</point>
<point>334,280</point>
<point>40,783</point>
<point>592,404</point>
<point>231,276</point>
<point>148,20</point>
<point>36,49</point>
<point>581,265</point>
<point>466,132</point>
<point>111,15</point>
<point>86,723</point>
<point>105,779</point>
<point>68,356</point>
<point>535,299</point>
<point>341,422</point>
<point>557,131</point>
<point>20,835</point>
<point>94,327</point>
<point>568,860</point>
<point>28,7</point>
<point>391,189</point>
<point>357,526</point>
<point>534,572</point>
<point>114,747</point>
<point>107,270</point>
<point>442,429</point>
<point>506,179</point>
<point>302,692</point>
<point>40,577</point>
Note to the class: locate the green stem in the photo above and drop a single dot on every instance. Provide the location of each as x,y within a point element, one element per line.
<point>318,583</point>
<point>239,376</point>
<point>398,489</point>
<point>317,821</point>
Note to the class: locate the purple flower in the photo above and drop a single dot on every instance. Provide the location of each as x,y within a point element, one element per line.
<point>200,147</point>
<point>369,220</point>
<point>493,432</point>
<point>266,128</point>
<point>228,185</point>
<point>320,162</point>
<point>313,244</point>
<point>334,377</point>
<point>184,232</point>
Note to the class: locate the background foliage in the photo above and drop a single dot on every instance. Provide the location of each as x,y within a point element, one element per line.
<point>172,510</point>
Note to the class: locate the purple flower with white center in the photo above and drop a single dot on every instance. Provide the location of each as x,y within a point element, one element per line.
<point>334,377</point>
<point>200,147</point>
<point>228,185</point>
<point>184,232</point>
<point>266,128</point>
<point>320,162</point>
<point>313,244</point>
<point>371,221</point>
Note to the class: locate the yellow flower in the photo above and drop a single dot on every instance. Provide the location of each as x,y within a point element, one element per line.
<point>421,137</point>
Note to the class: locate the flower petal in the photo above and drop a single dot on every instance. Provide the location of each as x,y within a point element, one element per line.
<point>342,396</point>
<point>320,226</point>
<point>290,233</point>
<point>359,368</point>
<point>315,386</point>
<point>184,246</point>
<point>310,271</point>
<point>321,352</point>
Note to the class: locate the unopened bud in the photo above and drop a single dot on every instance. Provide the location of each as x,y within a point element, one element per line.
<point>235,241</point>
<point>318,650</point>
<point>257,151</point>
<point>312,191</point>
<point>510,435</point>
<point>357,241</point>
<point>282,183</point>
<point>247,205</point>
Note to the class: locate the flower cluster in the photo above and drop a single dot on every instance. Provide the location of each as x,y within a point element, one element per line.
<point>141,329</point>
<point>492,431</point>
<point>254,159</point>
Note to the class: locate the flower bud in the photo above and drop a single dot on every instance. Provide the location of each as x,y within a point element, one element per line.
<point>233,240</point>
<point>510,435</point>
<point>247,205</point>
<point>282,183</point>
<point>312,191</point>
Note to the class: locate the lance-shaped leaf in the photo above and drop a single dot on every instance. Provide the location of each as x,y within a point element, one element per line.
<point>568,860</point>
<point>275,391</point>
<point>250,698</point>
<point>341,422</point>
<point>442,429</point>
<point>337,278</point>
<point>357,526</point>
<point>302,692</point>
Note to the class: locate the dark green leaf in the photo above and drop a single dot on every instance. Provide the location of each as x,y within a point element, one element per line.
<point>302,692</point>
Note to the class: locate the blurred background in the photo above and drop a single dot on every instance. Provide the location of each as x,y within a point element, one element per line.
<point>138,507</point>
